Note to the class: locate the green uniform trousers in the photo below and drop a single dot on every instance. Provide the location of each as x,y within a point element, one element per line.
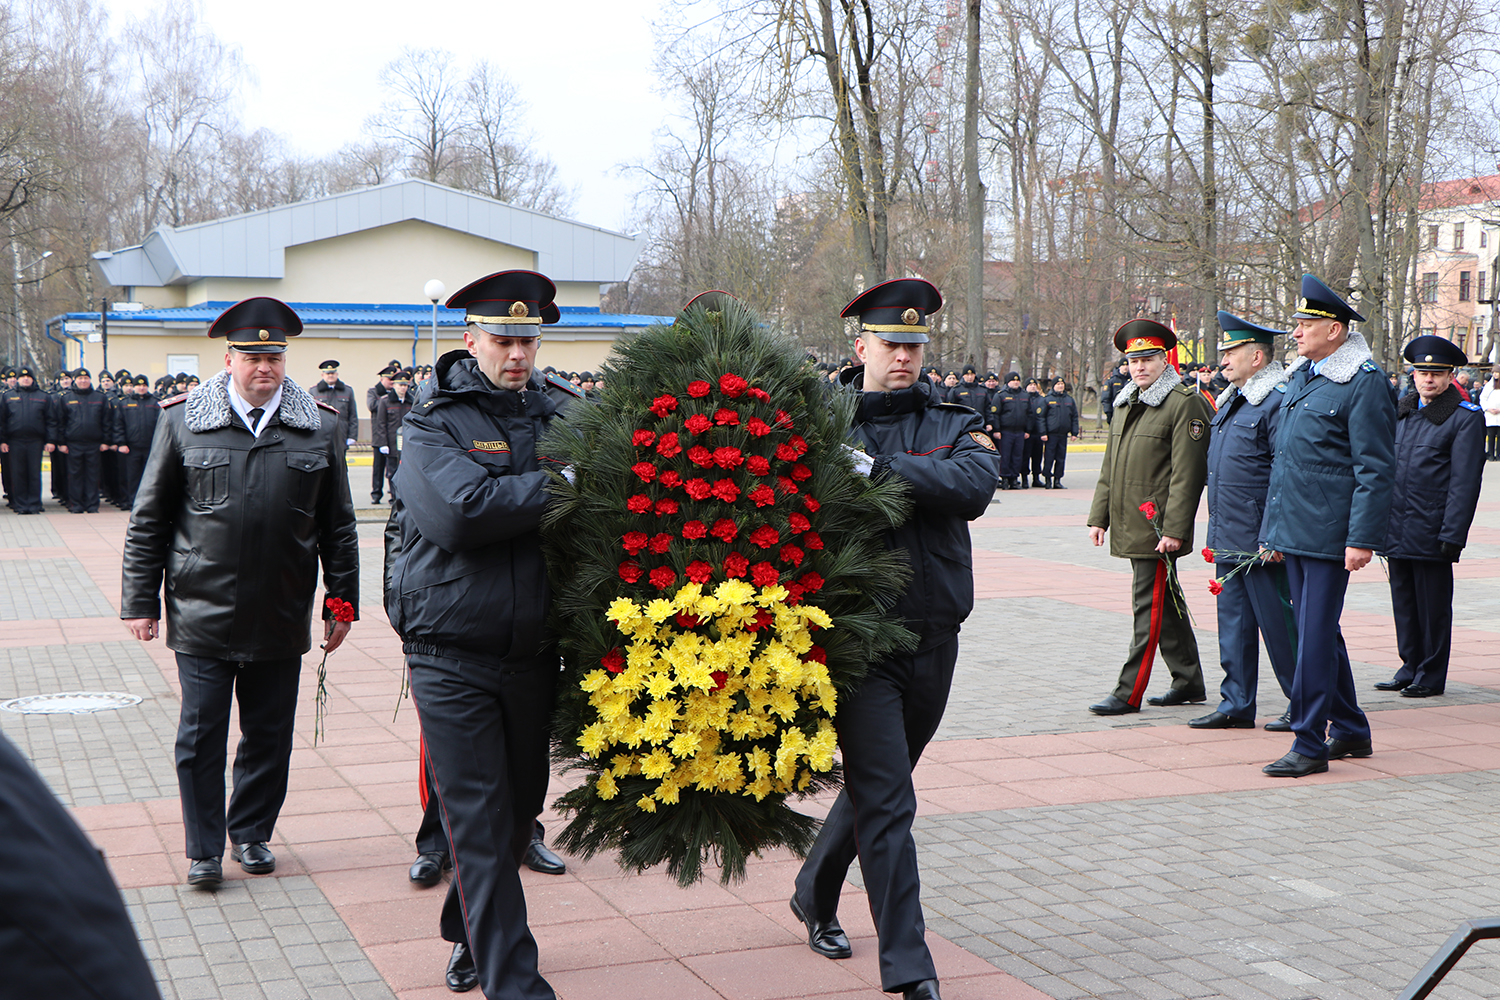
<point>1159,624</point>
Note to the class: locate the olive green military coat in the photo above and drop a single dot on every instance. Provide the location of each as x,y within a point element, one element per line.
<point>1157,453</point>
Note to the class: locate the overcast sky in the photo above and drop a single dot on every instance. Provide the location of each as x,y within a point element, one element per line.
<point>582,66</point>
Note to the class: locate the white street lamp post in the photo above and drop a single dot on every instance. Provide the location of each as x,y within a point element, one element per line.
<point>434,290</point>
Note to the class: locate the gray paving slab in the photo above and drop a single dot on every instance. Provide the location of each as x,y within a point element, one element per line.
<point>207,944</point>
<point>39,589</point>
<point>27,532</point>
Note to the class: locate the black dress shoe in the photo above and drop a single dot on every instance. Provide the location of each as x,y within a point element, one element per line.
<point>1339,749</point>
<point>1176,697</point>
<point>825,937</point>
<point>206,871</point>
<point>1036,480</point>
<point>925,990</point>
<point>461,976</point>
<point>429,867</point>
<point>1218,720</point>
<point>540,859</point>
<point>1420,691</point>
<point>255,858</point>
<point>1113,706</point>
<point>1295,765</point>
<point>1283,724</point>
<point>1391,685</point>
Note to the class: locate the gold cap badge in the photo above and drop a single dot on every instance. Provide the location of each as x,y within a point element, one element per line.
<point>910,317</point>
<point>265,335</point>
<point>518,309</point>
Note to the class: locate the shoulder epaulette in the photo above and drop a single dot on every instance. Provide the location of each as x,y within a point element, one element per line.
<point>427,405</point>
<point>1281,387</point>
<point>174,400</point>
<point>1468,405</point>
<point>325,406</point>
<point>1369,366</point>
<point>562,383</point>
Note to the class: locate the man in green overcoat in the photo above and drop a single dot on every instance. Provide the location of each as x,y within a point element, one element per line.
<point>1155,466</point>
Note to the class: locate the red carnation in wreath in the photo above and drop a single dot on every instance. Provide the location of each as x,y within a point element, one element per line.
<point>698,423</point>
<point>700,456</point>
<point>798,523</point>
<point>812,540</point>
<point>698,571</point>
<point>811,504</point>
<point>662,405</point>
<point>699,389</point>
<point>757,427</point>
<point>799,445</point>
<point>643,438</point>
<point>630,571</point>
<point>726,490</point>
<point>698,489</point>
<point>736,565</point>
<point>614,661</point>
<point>732,385</point>
<point>727,418</point>
<point>763,495</point>
<point>634,541</point>
<point>763,574</point>
<point>665,508</point>
<point>801,472</point>
<point>663,577</point>
<point>728,458</point>
<point>760,394</point>
<point>786,485</point>
<point>783,419</point>
<point>758,465</point>
<point>792,555</point>
<point>811,582</point>
<point>694,529</point>
<point>786,453</point>
<point>660,543</point>
<point>725,530</point>
<point>670,479</point>
<point>645,470</point>
<point>638,504</point>
<point>764,537</point>
<point>667,445</point>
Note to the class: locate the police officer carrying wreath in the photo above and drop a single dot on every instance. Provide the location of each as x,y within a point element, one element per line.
<point>1156,459</point>
<point>943,452</point>
<point>1440,441</point>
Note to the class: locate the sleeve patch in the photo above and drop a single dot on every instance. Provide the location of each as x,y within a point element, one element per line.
<point>983,440</point>
<point>1195,429</point>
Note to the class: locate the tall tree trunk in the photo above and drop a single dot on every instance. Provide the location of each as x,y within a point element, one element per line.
<point>974,188</point>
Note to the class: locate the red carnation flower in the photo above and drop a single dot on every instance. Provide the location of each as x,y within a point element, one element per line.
<point>698,489</point>
<point>638,504</point>
<point>698,423</point>
<point>339,611</point>
<point>726,490</point>
<point>662,405</point>
<point>760,394</point>
<point>786,485</point>
<point>786,453</point>
<point>727,418</point>
<point>629,571</point>
<point>689,621</point>
<point>764,537</point>
<point>694,529</point>
<point>816,655</point>
<point>700,455</point>
<point>800,444</point>
<point>643,438</point>
<point>793,593</point>
<point>1215,587</point>
<point>791,554</point>
<point>811,582</point>
<point>661,543</point>
<point>732,385</point>
<point>801,472</point>
<point>812,540</point>
<point>811,504</point>
<point>783,420</point>
<point>763,496</point>
<point>758,465</point>
<point>1208,555</point>
<point>757,427</point>
<point>614,661</point>
<point>762,619</point>
<point>699,389</point>
<point>698,571</point>
<point>799,523</point>
<point>635,541</point>
<point>667,445</point>
<point>763,574</point>
<point>724,529</point>
<point>670,479</point>
<point>645,470</point>
<point>736,565</point>
<point>663,577</point>
<point>665,507</point>
<point>728,458</point>
<point>720,677</point>
<point>1149,509</point>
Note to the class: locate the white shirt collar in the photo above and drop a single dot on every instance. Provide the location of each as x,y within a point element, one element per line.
<point>243,408</point>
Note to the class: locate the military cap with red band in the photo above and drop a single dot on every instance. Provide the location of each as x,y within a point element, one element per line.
<point>1141,338</point>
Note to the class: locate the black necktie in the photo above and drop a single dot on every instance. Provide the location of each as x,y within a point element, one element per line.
<point>255,416</point>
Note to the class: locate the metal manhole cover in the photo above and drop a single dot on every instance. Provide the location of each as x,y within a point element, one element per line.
<point>70,703</point>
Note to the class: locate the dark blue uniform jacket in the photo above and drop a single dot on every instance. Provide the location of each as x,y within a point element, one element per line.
<point>1241,442</point>
<point>1439,462</point>
<point>1335,458</point>
<point>1009,409</point>
<point>1055,413</point>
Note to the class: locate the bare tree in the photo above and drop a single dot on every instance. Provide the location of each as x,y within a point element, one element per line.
<point>423,112</point>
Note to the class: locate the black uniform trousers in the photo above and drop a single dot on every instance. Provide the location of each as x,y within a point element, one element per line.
<point>1160,623</point>
<point>26,475</point>
<point>377,476</point>
<point>131,467</point>
<point>1422,599</point>
<point>1255,603</point>
<point>486,731</point>
<point>5,477</point>
<point>392,465</point>
<point>433,839</point>
<point>1032,464</point>
<point>1492,443</point>
<point>883,728</point>
<point>267,695</point>
<point>109,475</point>
<point>82,461</point>
<point>1055,454</point>
<point>64,931</point>
<point>60,477</point>
<point>1323,700</point>
<point>1012,453</point>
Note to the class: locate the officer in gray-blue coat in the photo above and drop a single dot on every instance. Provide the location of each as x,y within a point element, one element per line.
<point>1329,500</point>
<point>1255,600</point>
<point>1439,462</point>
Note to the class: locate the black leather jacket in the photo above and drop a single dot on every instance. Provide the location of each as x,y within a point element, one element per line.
<point>942,451</point>
<point>238,525</point>
<point>341,398</point>
<point>464,573</point>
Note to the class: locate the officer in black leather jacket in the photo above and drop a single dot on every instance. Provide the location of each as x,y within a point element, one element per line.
<point>943,453</point>
<point>466,589</point>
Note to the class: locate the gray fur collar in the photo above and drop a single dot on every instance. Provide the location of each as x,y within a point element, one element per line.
<point>1341,365</point>
<point>1155,393</point>
<point>207,407</point>
<point>1257,386</point>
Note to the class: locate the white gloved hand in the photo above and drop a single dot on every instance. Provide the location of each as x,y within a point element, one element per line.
<point>385,449</point>
<point>569,474</point>
<point>348,442</point>
<point>863,463</point>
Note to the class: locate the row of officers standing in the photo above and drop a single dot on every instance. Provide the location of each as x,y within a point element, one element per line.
<point>1030,426</point>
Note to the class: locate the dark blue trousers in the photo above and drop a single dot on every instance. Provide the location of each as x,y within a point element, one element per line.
<point>883,729</point>
<point>1055,454</point>
<point>1255,602</point>
<point>1012,452</point>
<point>1422,601</point>
<point>1323,700</point>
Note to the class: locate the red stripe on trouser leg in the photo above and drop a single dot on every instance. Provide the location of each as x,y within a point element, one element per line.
<point>422,790</point>
<point>1148,656</point>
